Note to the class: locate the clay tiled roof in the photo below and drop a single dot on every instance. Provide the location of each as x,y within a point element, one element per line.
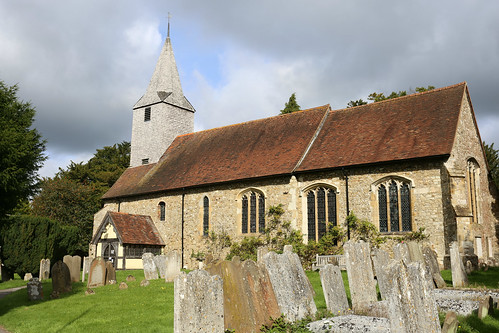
<point>135,229</point>
<point>410,127</point>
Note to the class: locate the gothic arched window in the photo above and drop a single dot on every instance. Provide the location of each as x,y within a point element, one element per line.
<point>321,211</point>
<point>394,205</point>
<point>252,212</point>
<point>206,216</point>
<point>162,211</point>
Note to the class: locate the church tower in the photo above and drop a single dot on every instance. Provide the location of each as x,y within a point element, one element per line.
<point>162,113</point>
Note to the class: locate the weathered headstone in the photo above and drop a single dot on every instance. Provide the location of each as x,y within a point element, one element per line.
<point>432,262</point>
<point>249,300</point>
<point>144,283</point>
<point>28,276</point>
<point>86,267</point>
<point>97,273</point>
<point>160,262</point>
<point>150,270</point>
<point>61,278</point>
<point>123,286</point>
<point>173,265</point>
<point>74,265</point>
<point>401,252</point>
<point>198,303</point>
<point>130,278</point>
<point>459,277</point>
<point>110,273</point>
<point>469,267</point>
<point>486,304</point>
<point>360,275</point>
<point>411,303</point>
<point>380,259</point>
<point>292,289</point>
<point>35,290</point>
<point>260,252</point>
<point>44,269</point>
<point>334,289</point>
<point>450,323</point>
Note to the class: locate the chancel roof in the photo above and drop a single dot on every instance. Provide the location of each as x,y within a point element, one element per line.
<point>410,127</point>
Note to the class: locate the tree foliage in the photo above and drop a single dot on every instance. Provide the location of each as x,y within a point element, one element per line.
<point>492,156</point>
<point>378,97</point>
<point>21,150</point>
<point>291,105</point>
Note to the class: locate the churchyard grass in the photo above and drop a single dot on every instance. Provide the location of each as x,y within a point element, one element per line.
<point>479,279</point>
<point>16,282</point>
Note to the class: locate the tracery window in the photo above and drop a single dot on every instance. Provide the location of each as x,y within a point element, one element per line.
<point>473,171</point>
<point>162,211</point>
<point>321,209</point>
<point>206,216</point>
<point>252,212</point>
<point>394,205</point>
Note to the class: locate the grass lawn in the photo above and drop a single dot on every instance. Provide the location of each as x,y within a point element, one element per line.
<point>150,309</point>
<point>16,282</point>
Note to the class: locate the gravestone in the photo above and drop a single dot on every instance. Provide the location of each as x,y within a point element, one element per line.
<point>486,304</point>
<point>97,273</point>
<point>360,275</point>
<point>292,289</point>
<point>401,252</point>
<point>260,252</point>
<point>150,270</point>
<point>432,262</point>
<point>61,278</point>
<point>144,283</point>
<point>450,323</point>
<point>44,269</point>
<point>334,289</point>
<point>249,300</point>
<point>130,278</point>
<point>86,267</point>
<point>160,262</point>
<point>35,290</point>
<point>173,265</point>
<point>123,286</point>
<point>74,265</point>
<point>459,277</point>
<point>380,259</point>
<point>410,301</point>
<point>110,273</point>
<point>28,276</point>
<point>198,303</point>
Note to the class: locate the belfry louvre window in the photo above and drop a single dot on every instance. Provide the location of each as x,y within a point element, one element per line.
<point>147,114</point>
<point>321,209</point>
<point>206,216</point>
<point>162,211</point>
<point>394,206</point>
<point>252,212</point>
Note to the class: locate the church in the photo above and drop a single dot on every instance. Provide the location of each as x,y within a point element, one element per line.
<point>402,164</point>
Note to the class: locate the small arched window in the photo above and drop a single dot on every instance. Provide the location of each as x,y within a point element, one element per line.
<point>321,211</point>
<point>252,212</point>
<point>394,205</point>
<point>162,211</point>
<point>206,216</point>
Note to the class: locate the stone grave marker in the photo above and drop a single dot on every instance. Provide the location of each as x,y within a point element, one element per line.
<point>360,275</point>
<point>44,269</point>
<point>198,303</point>
<point>61,278</point>
<point>249,300</point>
<point>334,289</point>
<point>260,252</point>
<point>123,286</point>
<point>292,289</point>
<point>74,265</point>
<point>110,273</point>
<point>450,323</point>
<point>380,259</point>
<point>97,273</point>
<point>173,265</point>
<point>86,267</point>
<point>410,301</point>
<point>160,262</point>
<point>459,277</point>
<point>35,290</point>
<point>28,276</point>
<point>431,261</point>
<point>150,270</point>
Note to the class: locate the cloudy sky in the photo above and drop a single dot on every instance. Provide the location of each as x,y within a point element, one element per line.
<point>84,64</point>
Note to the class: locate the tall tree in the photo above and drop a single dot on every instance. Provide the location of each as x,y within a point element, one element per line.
<point>378,97</point>
<point>21,150</point>
<point>492,156</point>
<point>291,105</point>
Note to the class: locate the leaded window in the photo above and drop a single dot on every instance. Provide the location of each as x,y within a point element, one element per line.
<point>321,211</point>
<point>136,251</point>
<point>206,216</point>
<point>394,205</point>
<point>253,212</point>
<point>162,211</point>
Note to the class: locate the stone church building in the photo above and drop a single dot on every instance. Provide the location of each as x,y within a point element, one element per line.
<point>405,163</point>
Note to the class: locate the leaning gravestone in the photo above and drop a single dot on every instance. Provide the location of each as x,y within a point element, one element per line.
<point>198,303</point>
<point>173,265</point>
<point>160,262</point>
<point>334,289</point>
<point>74,264</point>
<point>431,261</point>
<point>401,252</point>
<point>412,307</point>
<point>249,300</point>
<point>110,273</point>
<point>44,269</point>
<point>291,286</point>
<point>61,278</point>
<point>360,275</point>
<point>97,273</point>
<point>150,270</point>
<point>459,277</point>
<point>35,291</point>
<point>380,259</point>
<point>86,267</point>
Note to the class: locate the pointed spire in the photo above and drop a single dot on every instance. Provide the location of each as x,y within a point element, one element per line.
<point>168,34</point>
